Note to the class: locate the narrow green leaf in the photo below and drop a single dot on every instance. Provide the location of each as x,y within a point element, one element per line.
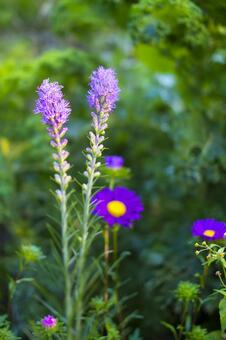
<point>222,310</point>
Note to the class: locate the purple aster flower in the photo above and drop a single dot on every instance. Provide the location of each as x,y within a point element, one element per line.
<point>209,229</point>
<point>118,206</point>
<point>104,90</point>
<point>49,322</point>
<point>51,104</point>
<point>114,162</point>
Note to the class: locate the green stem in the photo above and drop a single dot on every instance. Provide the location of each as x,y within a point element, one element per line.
<point>115,244</point>
<point>68,305</point>
<point>204,276</point>
<point>115,257</point>
<point>64,240</point>
<point>106,251</point>
<point>183,318</point>
<point>112,183</point>
<point>106,258</point>
<point>82,257</point>
<point>117,280</point>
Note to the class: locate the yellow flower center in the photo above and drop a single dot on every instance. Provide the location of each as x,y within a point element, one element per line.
<point>209,233</point>
<point>116,208</point>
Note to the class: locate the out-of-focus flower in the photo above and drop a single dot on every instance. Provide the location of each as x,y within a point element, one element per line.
<point>114,162</point>
<point>49,322</point>
<point>104,90</point>
<point>114,169</point>
<point>5,146</point>
<point>31,253</point>
<point>187,291</point>
<point>209,229</point>
<point>118,206</point>
<point>197,333</point>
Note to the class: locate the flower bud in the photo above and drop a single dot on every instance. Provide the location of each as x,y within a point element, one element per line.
<point>187,291</point>
<point>84,187</point>
<point>57,178</point>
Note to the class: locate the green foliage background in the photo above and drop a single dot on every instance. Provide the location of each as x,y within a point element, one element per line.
<point>170,126</point>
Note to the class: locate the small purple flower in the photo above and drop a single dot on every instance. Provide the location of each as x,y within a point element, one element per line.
<point>209,229</point>
<point>49,322</point>
<point>114,162</point>
<point>118,206</point>
<point>51,104</point>
<point>104,90</point>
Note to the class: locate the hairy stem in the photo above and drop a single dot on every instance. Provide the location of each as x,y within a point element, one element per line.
<point>64,239</point>
<point>66,265</point>
<point>83,250</point>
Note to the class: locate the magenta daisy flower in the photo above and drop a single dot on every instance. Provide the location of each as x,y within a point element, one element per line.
<point>118,206</point>
<point>49,322</point>
<point>114,162</point>
<point>209,229</point>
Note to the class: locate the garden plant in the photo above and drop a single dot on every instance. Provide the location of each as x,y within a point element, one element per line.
<point>112,169</point>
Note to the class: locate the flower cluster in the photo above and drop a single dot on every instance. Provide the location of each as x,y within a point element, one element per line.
<point>104,90</point>
<point>196,333</point>
<point>52,105</point>
<point>31,253</point>
<point>215,252</point>
<point>102,96</point>
<point>187,291</point>
<point>209,229</point>
<point>49,322</point>
<point>118,206</point>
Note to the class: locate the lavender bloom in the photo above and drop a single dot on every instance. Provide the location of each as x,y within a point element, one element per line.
<point>51,104</point>
<point>118,206</point>
<point>49,322</point>
<point>209,229</point>
<point>102,96</point>
<point>114,162</point>
<point>104,90</point>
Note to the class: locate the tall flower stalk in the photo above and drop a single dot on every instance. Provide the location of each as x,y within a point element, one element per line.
<point>102,97</point>
<point>55,111</point>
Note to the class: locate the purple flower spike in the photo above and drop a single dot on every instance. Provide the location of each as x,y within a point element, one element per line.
<point>118,206</point>
<point>51,104</point>
<point>209,229</point>
<point>49,322</point>
<point>104,90</point>
<point>114,162</point>
<point>55,111</point>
